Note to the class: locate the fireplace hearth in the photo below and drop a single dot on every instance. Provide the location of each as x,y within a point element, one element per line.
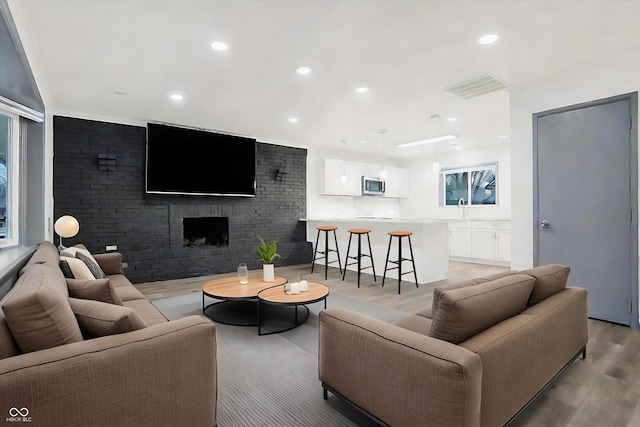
<point>205,232</point>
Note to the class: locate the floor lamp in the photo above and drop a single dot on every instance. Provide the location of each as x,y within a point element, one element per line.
<point>66,226</point>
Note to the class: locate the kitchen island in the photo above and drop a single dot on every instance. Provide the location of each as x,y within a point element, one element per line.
<point>430,241</point>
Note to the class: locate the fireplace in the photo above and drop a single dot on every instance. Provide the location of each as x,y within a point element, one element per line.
<point>205,231</point>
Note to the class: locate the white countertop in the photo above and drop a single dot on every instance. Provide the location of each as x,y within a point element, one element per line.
<point>401,220</point>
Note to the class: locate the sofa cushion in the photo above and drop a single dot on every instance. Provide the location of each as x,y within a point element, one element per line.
<point>46,252</point>
<point>97,290</point>
<point>8,346</point>
<point>149,313</point>
<point>415,323</point>
<point>463,284</point>
<point>74,268</point>
<point>97,319</point>
<point>550,279</point>
<point>38,313</point>
<point>462,313</point>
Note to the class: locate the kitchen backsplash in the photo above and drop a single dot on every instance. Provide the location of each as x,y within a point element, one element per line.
<point>351,207</point>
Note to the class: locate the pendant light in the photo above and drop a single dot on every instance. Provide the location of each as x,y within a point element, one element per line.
<point>384,174</point>
<point>344,178</point>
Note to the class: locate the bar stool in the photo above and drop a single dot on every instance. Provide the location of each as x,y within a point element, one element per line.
<point>359,232</point>
<point>326,229</point>
<point>398,262</point>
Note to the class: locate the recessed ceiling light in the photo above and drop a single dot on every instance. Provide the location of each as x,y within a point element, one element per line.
<point>303,70</point>
<point>177,97</point>
<point>503,136</point>
<point>362,89</point>
<point>344,141</point>
<point>452,119</point>
<point>293,119</point>
<point>119,93</point>
<point>220,46</point>
<point>488,39</point>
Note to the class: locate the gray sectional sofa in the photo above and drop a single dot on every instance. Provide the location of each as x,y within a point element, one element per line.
<point>483,350</point>
<point>95,352</point>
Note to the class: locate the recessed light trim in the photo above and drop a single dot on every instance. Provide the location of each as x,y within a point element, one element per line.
<point>452,119</point>
<point>293,120</point>
<point>488,39</point>
<point>427,140</point>
<point>303,70</point>
<point>177,97</point>
<point>219,46</point>
<point>361,89</point>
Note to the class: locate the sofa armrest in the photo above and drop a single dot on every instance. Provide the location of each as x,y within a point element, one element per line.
<point>398,376</point>
<point>110,262</point>
<point>160,375</point>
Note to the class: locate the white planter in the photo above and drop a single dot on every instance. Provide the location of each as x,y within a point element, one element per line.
<point>267,273</point>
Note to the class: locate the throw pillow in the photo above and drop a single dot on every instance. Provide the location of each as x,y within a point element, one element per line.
<point>550,279</point>
<point>75,250</point>
<point>97,290</point>
<point>465,312</point>
<point>92,264</point>
<point>74,268</point>
<point>98,319</point>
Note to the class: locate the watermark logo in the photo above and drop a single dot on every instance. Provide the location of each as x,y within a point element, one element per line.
<point>18,415</point>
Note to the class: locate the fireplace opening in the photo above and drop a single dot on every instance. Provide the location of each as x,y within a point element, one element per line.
<point>208,231</point>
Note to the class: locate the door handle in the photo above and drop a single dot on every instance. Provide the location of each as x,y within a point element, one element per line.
<point>545,224</point>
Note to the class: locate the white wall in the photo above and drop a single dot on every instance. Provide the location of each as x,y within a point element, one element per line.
<point>424,184</point>
<point>616,76</point>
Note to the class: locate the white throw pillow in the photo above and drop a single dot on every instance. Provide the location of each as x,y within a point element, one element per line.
<point>76,267</point>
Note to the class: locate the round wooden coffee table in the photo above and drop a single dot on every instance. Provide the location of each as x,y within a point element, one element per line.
<point>239,303</point>
<point>289,307</point>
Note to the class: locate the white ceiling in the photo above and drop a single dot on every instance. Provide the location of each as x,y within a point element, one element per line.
<point>406,52</point>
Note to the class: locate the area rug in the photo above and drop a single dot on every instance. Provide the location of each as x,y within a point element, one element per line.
<point>272,380</point>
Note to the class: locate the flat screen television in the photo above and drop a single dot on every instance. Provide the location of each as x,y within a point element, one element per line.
<point>197,162</point>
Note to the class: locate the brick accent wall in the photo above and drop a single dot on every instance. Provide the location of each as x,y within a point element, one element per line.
<point>113,209</point>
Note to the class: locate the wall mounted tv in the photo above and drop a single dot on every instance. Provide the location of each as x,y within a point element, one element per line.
<point>197,162</point>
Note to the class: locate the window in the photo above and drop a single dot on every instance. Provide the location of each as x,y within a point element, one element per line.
<point>477,184</point>
<point>9,182</point>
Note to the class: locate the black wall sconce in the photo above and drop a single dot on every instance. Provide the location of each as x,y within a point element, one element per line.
<point>280,173</point>
<point>107,162</point>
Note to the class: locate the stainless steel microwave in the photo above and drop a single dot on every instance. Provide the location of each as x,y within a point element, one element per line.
<point>372,186</point>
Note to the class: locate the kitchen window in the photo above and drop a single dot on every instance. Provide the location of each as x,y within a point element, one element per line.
<point>472,185</point>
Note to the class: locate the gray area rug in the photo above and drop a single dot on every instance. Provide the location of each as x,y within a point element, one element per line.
<point>272,380</point>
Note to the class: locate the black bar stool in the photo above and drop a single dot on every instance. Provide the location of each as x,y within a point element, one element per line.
<point>359,232</point>
<point>398,262</point>
<point>326,229</point>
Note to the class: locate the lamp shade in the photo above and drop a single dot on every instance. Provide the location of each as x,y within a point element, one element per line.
<point>66,226</point>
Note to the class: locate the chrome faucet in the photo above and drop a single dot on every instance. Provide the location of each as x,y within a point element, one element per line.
<point>463,205</point>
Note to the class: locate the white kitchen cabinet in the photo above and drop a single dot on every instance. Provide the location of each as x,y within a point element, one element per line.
<point>370,170</point>
<point>352,186</point>
<point>460,240</point>
<point>338,177</point>
<point>503,245</point>
<point>397,182</point>
<point>491,240</point>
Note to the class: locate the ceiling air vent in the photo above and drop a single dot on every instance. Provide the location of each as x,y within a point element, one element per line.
<point>476,87</point>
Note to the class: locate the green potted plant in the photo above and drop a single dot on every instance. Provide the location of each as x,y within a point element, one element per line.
<point>268,253</point>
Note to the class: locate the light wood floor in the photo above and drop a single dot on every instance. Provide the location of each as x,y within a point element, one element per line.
<point>602,390</point>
